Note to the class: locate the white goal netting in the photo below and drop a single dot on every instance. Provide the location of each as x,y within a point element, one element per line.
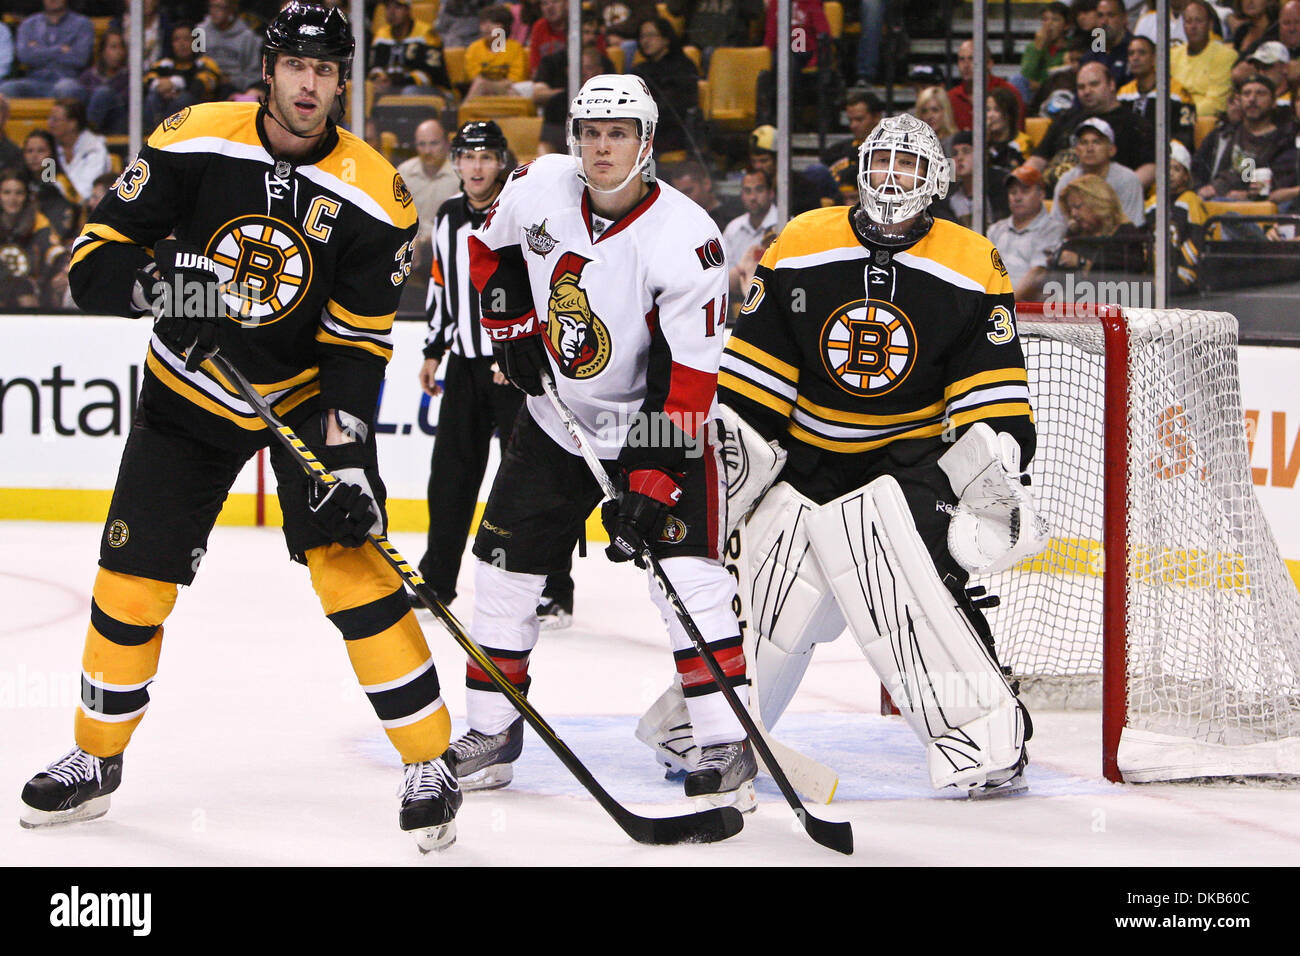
<point>1211,640</point>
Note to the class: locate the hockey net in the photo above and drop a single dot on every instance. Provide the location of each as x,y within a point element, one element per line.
<point>1162,596</point>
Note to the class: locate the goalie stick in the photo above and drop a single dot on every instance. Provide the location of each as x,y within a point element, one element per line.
<point>704,827</point>
<point>835,836</point>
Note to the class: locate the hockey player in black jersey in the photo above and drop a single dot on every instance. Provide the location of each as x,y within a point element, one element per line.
<point>290,240</point>
<point>476,398</point>
<point>876,351</point>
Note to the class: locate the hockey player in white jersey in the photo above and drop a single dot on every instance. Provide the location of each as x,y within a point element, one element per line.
<point>876,359</point>
<point>613,283</point>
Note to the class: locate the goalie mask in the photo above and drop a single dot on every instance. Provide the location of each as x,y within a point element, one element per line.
<point>901,170</point>
<point>615,96</point>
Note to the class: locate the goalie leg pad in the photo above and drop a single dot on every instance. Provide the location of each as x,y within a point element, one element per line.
<point>923,648</point>
<point>666,729</point>
<point>751,464</point>
<point>789,602</point>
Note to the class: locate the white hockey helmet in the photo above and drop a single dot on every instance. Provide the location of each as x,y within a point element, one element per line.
<point>902,195</point>
<point>614,96</point>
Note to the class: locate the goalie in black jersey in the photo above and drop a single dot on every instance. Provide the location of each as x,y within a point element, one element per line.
<point>269,233</point>
<point>875,369</point>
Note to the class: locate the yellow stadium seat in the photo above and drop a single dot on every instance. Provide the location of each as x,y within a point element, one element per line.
<point>1203,126</point>
<point>426,10</point>
<point>615,54</point>
<point>101,25</point>
<point>494,107</point>
<point>27,114</point>
<point>1036,129</point>
<point>454,57</point>
<point>705,97</point>
<point>1215,207</point>
<point>693,54</point>
<point>835,17</point>
<point>733,82</point>
<point>523,133</point>
<point>432,103</point>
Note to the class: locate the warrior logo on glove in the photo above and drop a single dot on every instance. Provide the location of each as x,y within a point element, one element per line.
<point>575,336</point>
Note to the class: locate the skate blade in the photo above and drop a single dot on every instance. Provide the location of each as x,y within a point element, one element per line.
<point>743,798</point>
<point>1009,788</point>
<point>435,839</point>
<point>489,778</point>
<point>555,622</point>
<point>93,809</point>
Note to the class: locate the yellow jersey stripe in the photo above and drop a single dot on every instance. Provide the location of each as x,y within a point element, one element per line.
<point>1000,375</point>
<point>327,338</point>
<point>304,376</point>
<point>857,418</point>
<point>767,360</point>
<point>763,397</point>
<point>997,410</point>
<point>372,323</point>
<point>809,438</point>
<point>187,391</point>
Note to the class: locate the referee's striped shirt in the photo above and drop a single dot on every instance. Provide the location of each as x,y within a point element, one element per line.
<point>452,306</point>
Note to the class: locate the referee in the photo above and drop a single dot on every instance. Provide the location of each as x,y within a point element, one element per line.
<point>476,399</point>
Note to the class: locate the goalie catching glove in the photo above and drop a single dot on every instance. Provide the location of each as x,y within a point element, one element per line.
<point>996,523</point>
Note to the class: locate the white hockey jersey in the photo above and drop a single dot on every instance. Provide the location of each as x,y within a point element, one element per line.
<point>633,311</point>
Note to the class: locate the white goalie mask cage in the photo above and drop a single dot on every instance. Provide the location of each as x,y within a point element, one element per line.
<point>902,195</point>
<point>614,96</point>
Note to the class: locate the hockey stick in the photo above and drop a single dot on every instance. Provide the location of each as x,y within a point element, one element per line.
<point>836,836</point>
<point>704,827</point>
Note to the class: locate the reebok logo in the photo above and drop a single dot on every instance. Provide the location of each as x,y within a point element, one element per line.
<point>77,909</point>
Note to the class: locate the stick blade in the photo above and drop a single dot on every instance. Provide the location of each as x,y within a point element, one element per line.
<point>833,836</point>
<point>707,826</point>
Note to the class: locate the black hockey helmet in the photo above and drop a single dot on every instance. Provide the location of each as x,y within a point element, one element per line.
<point>311,30</point>
<point>480,134</point>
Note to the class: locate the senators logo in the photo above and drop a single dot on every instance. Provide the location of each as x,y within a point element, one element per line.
<point>400,193</point>
<point>868,347</point>
<point>674,531</point>
<point>176,119</point>
<point>264,265</point>
<point>576,337</point>
<point>710,254</point>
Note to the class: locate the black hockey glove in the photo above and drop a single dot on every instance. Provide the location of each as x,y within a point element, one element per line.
<point>520,354</point>
<point>637,518</point>
<point>346,510</point>
<point>182,291</point>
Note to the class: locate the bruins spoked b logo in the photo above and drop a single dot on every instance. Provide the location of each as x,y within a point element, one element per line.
<point>264,265</point>
<point>118,533</point>
<point>575,336</point>
<point>868,346</point>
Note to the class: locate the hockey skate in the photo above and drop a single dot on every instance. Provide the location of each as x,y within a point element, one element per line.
<point>430,799</point>
<point>482,761</point>
<point>553,615</point>
<point>73,788</point>
<point>1003,783</point>
<point>725,777</point>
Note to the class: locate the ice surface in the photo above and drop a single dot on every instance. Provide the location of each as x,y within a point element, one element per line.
<point>259,748</point>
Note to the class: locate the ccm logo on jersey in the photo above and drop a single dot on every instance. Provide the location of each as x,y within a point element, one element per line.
<point>710,254</point>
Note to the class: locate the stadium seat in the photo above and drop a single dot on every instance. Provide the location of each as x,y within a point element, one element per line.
<point>27,114</point>
<point>494,107</point>
<point>523,133</point>
<point>615,54</point>
<point>679,23</point>
<point>733,84</point>
<point>1216,207</point>
<point>1203,126</point>
<point>1036,129</point>
<point>454,57</point>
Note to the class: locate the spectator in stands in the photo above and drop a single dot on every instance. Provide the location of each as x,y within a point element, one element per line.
<point>672,79</point>
<point>1228,163</point>
<point>714,23</point>
<point>1147,25</point>
<point>494,63</point>
<point>106,82</point>
<point>53,47</point>
<point>863,111</point>
<point>1133,136</point>
<point>743,234</point>
<point>1045,51</point>
<point>83,154</point>
<point>622,19</point>
<point>958,206</point>
<point>431,179</point>
<point>30,250</point>
<point>807,23</point>
<point>6,53</point>
<point>1056,94</point>
<point>49,184</point>
<point>1288,33</point>
<point>157,28</point>
<point>1026,238</point>
<point>1202,65</point>
<point>1084,18</point>
<point>1258,25</point>
<point>459,21</point>
<point>549,33</point>
<point>179,80</point>
<point>1139,94</point>
<point>932,107</point>
<point>1186,220</point>
<point>98,190</point>
<point>1112,51</point>
<point>1006,147</point>
<point>11,155</point>
<point>1094,147</point>
<point>406,55</point>
<point>809,189</point>
<point>1270,59</point>
<point>871,23</point>
<point>551,91</point>
<point>692,178</point>
<point>960,95</point>
<point>1099,237</point>
<point>232,44</point>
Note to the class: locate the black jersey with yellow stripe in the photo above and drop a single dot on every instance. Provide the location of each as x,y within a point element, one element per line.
<point>312,252</point>
<point>845,346</point>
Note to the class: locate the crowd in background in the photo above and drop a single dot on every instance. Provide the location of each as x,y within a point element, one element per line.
<point>1077,194</point>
